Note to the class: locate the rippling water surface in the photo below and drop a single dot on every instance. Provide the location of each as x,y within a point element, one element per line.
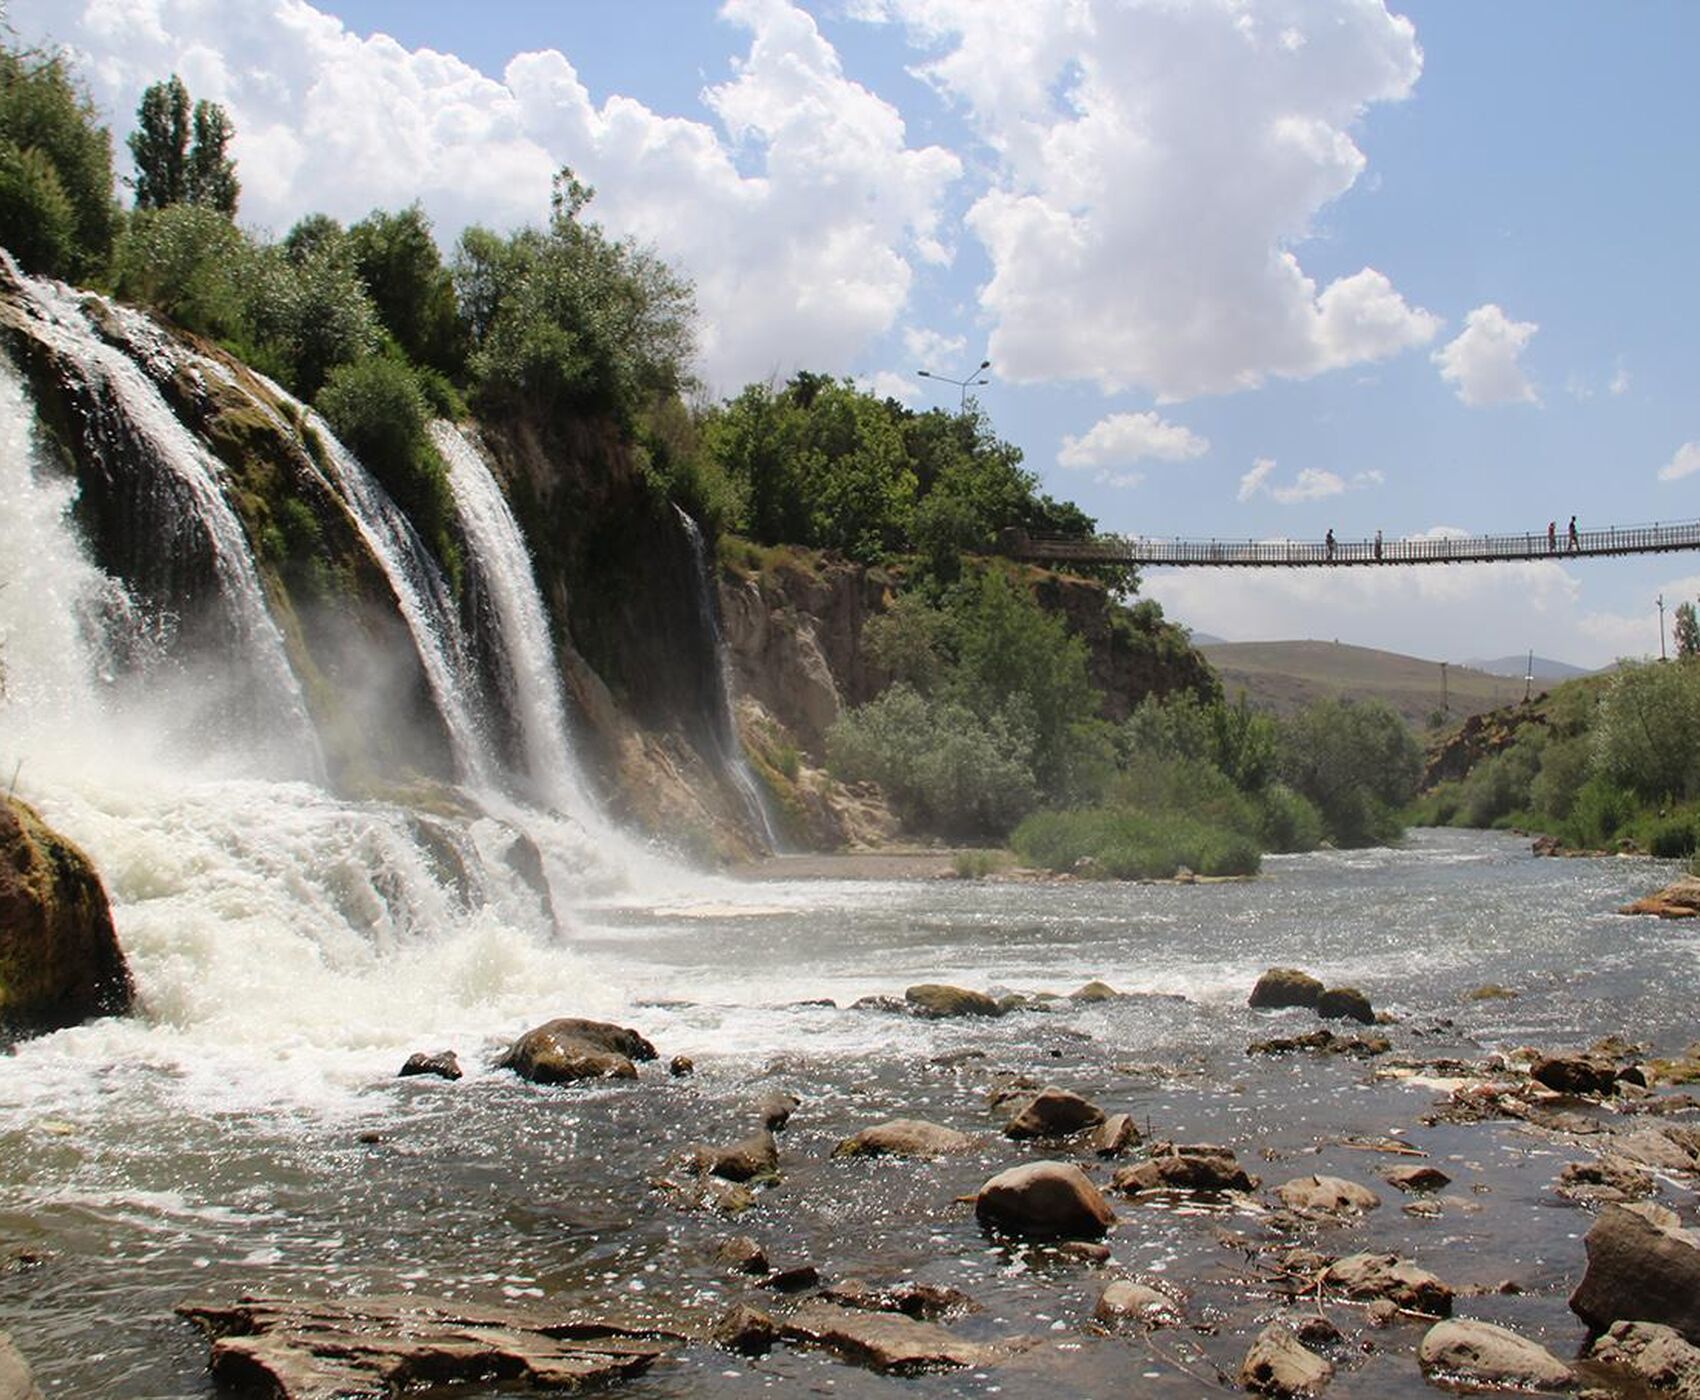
<point>145,1160</point>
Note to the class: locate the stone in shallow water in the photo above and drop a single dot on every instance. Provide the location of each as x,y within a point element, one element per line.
<point>887,1342</point>
<point>568,1049</point>
<point>905,1137</point>
<point>756,1156</point>
<point>1285,986</point>
<point>309,1349</point>
<point>1278,1363</point>
<point>1053,1113</point>
<point>1201,1169</point>
<point>938,1000</point>
<point>1416,1179</point>
<point>773,1111</point>
<point>443,1064</point>
<point>1115,1135</point>
<point>1656,1353</point>
<point>1327,1195</point>
<point>1479,1353</point>
<point>1345,1003</point>
<point>1391,1279</point>
<point>1642,1267</point>
<point>1124,1300</point>
<point>1044,1200</point>
<point>16,1383</point>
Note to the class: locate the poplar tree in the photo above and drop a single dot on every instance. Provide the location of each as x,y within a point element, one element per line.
<point>182,153</point>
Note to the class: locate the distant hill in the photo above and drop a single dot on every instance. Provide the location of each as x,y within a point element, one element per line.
<point>1545,668</point>
<point>1286,676</point>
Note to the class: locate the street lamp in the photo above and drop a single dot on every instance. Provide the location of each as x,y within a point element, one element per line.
<point>963,384</point>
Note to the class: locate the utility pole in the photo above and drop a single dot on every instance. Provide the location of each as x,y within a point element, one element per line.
<point>1661,627</point>
<point>1445,706</point>
<point>1529,676</point>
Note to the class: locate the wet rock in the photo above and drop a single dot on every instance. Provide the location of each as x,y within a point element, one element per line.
<point>879,1003</point>
<point>925,1301</point>
<point>681,1066</point>
<point>59,955</point>
<point>746,1330</point>
<point>1669,1148</point>
<point>566,1050</point>
<point>792,1278</point>
<point>1395,1280</point>
<point>16,1382</point>
<point>1124,1300</point>
<point>1489,991</point>
<point>1010,1088</point>
<point>773,1111</point>
<point>1433,1207</point>
<point>1197,1169</point>
<point>307,1349</point>
<point>1416,1180</point>
<point>754,1157</point>
<point>1479,1353</point>
<point>1658,1355</point>
<point>1345,1004</point>
<point>905,1137</point>
<point>1082,1251</point>
<point>1053,1113</point>
<point>1605,1179</point>
<point>1327,1195</point>
<point>1115,1135</point>
<point>443,1064</point>
<point>1285,986</point>
<point>1362,1047</point>
<point>1574,1074</point>
<point>1642,1267</point>
<point>1316,1331</point>
<point>1383,1312</point>
<point>701,1192</point>
<point>1546,846</point>
<point>1280,1364</point>
<point>1095,991</point>
<point>887,1342</point>
<point>936,1000</point>
<point>1044,1200</point>
<point>1677,901</point>
<point>742,1255</point>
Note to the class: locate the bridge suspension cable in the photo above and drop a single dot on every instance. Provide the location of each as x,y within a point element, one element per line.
<point>1330,552</point>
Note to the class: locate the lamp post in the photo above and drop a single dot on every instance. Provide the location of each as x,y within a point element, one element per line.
<point>973,381</point>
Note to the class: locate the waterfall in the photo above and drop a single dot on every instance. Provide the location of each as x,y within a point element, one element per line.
<point>177,492</point>
<point>731,751</point>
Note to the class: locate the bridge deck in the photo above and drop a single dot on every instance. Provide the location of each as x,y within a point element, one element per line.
<point>1472,549</point>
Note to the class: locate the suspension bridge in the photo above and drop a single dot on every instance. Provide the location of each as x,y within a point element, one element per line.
<point>1555,544</point>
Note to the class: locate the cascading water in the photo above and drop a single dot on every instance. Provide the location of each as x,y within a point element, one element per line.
<point>178,488</point>
<point>732,760</point>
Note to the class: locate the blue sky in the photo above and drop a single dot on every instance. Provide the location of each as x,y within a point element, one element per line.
<point>1248,268</point>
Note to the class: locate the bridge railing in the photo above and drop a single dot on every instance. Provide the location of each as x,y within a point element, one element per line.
<point>1441,549</point>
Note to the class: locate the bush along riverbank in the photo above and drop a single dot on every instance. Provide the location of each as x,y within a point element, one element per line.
<point>1600,764</point>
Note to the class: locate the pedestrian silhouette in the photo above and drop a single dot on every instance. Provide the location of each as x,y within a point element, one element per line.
<point>1573,536</point>
<point>1329,541</point>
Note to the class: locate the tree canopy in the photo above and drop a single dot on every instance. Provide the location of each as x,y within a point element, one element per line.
<point>182,153</point>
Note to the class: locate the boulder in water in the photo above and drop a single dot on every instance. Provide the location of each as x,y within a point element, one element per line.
<point>773,1111</point>
<point>1416,1179</point>
<point>935,999</point>
<point>1653,1352</point>
<point>1677,901</point>
<point>1053,1113</point>
<point>1345,1003</point>
<point>1044,1200</point>
<point>59,957</point>
<point>1124,1300</point>
<point>444,1064</point>
<point>905,1137</point>
<point>1279,1364</point>
<point>16,1382</point>
<point>1574,1074</point>
<point>1094,992</point>
<point>568,1049</point>
<point>746,1330</point>
<point>1643,1266</point>
<point>756,1157</point>
<point>1391,1279</point>
<point>1200,1169</point>
<point>888,1342</point>
<point>1481,1354</point>
<point>1327,1195</point>
<point>1115,1135</point>
<point>1285,986</point>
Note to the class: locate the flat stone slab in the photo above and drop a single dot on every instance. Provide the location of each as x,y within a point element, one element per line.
<point>320,1348</point>
<point>888,1342</point>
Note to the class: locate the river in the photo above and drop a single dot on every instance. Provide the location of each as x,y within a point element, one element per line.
<point>248,1132</point>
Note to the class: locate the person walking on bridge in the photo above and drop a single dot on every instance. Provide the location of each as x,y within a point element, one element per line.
<point>1573,535</point>
<point>1328,540</point>
<point>1552,537</point>
<point>1378,546</point>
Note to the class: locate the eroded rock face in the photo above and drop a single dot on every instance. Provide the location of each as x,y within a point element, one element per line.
<point>1642,1267</point>
<point>1479,1353</point>
<point>1044,1200</point>
<point>904,1137</point>
<point>938,1000</point>
<point>888,1342</point>
<point>1053,1113</point>
<point>568,1049</point>
<point>307,1349</point>
<point>59,958</point>
<point>1285,986</point>
<point>1327,1195</point>
<point>1390,1278</point>
<point>1280,1364</point>
<point>1655,1353</point>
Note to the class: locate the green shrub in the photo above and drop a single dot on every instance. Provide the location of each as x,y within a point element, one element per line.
<point>191,264</point>
<point>1601,810</point>
<point>1358,762</point>
<point>1125,843</point>
<point>1672,838</point>
<point>1287,821</point>
<point>376,407</point>
<point>38,223</point>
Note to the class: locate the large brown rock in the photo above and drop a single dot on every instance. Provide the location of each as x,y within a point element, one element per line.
<point>1678,901</point>
<point>1125,1300</point>
<point>16,1382</point>
<point>1389,1277</point>
<point>568,1049</point>
<point>1285,986</point>
<point>59,957</point>
<point>881,1341</point>
<point>1345,1004</point>
<point>1280,1364</point>
<point>904,1137</point>
<point>1642,1267</point>
<point>1481,1354</point>
<point>1053,1113</point>
<point>1327,1195</point>
<point>937,1000</point>
<point>753,1158</point>
<point>1574,1074</point>
<point>1655,1353</point>
<point>309,1349</point>
<point>1197,1169</point>
<point>1044,1200</point>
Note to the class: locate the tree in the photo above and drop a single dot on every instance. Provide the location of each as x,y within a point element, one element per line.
<point>182,155</point>
<point>1687,631</point>
<point>57,214</point>
<point>397,259</point>
<point>1357,761</point>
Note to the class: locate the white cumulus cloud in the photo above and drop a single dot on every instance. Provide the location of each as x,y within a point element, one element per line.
<point>1157,165</point>
<point>797,204</point>
<point>1685,462</point>
<point>1122,438</point>
<point>1483,362</point>
<point>1310,484</point>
